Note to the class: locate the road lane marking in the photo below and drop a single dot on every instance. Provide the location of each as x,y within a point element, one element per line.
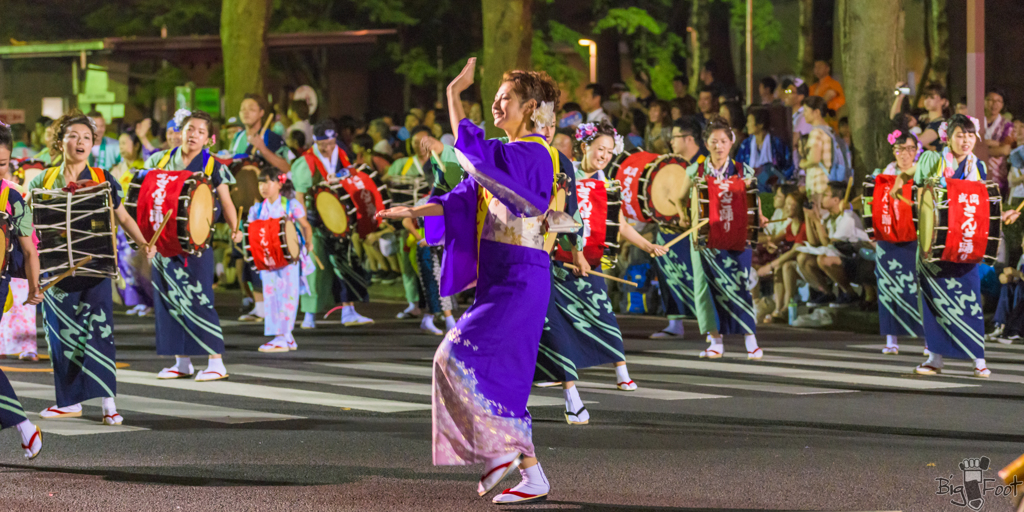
<point>161,407</point>
<point>299,396</point>
<point>719,382</point>
<point>755,368</point>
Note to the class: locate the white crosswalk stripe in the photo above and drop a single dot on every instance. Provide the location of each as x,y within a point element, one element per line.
<point>721,382</point>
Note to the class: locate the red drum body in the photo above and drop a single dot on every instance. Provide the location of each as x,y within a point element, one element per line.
<point>186,196</point>
<point>887,219</point>
<point>628,170</point>
<point>366,197</point>
<point>599,204</point>
<point>733,212</point>
<point>271,244</point>
<point>960,224</point>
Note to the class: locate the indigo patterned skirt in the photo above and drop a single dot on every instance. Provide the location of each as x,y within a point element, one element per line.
<point>953,322</point>
<point>429,259</point>
<point>186,323</point>
<point>721,298</point>
<point>580,330</point>
<point>675,276</point>
<point>80,332</point>
<point>483,369</point>
<point>11,412</point>
<point>899,297</point>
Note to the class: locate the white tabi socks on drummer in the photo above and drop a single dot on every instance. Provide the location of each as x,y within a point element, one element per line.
<point>31,439</point>
<point>891,347</point>
<point>753,351</point>
<point>449,322</point>
<point>427,324</point>
<point>349,317</point>
<point>534,487</point>
<point>980,369</point>
<point>674,330</point>
<point>110,415</point>
<point>575,412</point>
<point>622,380</point>
<point>182,369</point>
<point>309,321</point>
<point>930,367</point>
<point>215,370</point>
<point>71,411</point>
<point>714,350</point>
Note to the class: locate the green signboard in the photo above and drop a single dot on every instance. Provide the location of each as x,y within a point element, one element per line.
<point>207,99</point>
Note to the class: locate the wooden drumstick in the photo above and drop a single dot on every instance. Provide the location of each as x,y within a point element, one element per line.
<point>159,230</point>
<point>318,262</point>
<point>570,266</point>
<point>1019,206</point>
<point>687,233</point>
<point>263,131</point>
<point>846,197</point>
<point>66,273</point>
<point>905,200</point>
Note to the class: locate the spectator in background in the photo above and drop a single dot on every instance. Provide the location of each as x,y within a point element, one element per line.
<point>659,128</point>
<point>998,137</point>
<point>827,87</point>
<point>39,134</point>
<point>591,100</point>
<point>835,228</point>
<point>563,142</point>
<point>707,78</point>
<point>572,116</point>
<point>348,128</point>
<point>793,93</point>
<point>298,114</point>
<point>732,112</point>
<point>827,158</point>
<point>936,102</point>
<point>767,155</point>
<point>1013,233</point>
<point>766,90</point>
<point>637,128</point>
<point>105,152</point>
<point>362,146</point>
<point>379,132</point>
<point>21,136</point>
<point>707,102</point>
<point>843,130</point>
<point>643,87</point>
<point>296,141</point>
<point>905,122</point>
<point>173,133</point>
<point>680,85</point>
<point>686,134</point>
<point>476,115</point>
<point>684,106</point>
<point>961,107</point>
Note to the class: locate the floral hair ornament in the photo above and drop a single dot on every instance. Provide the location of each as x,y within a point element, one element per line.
<point>893,136</point>
<point>944,127</point>
<point>179,117</point>
<point>620,144</point>
<point>282,178</point>
<point>586,132</point>
<point>544,115</point>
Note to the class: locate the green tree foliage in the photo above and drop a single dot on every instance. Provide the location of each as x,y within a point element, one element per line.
<point>767,29</point>
<point>543,57</point>
<point>652,46</point>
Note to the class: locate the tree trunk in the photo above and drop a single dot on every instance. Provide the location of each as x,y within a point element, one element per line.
<point>700,23</point>
<point>805,41</point>
<point>508,40</point>
<point>243,27</point>
<point>871,32</point>
<point>937,33</point>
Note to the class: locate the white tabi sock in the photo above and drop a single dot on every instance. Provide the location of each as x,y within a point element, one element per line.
<point>258,310</point>
<point>980,363</point>
<point>216,364</point>
<point>449,322</point>
<point>410,309</point>
<point>890,341</point>
<point>108,406</point>
<point>715,343</point>
<point>675,327</point>
<point>309,318</point>
<point>427,324</point>
<point>182,364</point>
<point>534,480</point>
<point>751,341</point>
<point>573,402</point>
<point>621,373</point>
<point>27,430</point>
<point>934,360</point>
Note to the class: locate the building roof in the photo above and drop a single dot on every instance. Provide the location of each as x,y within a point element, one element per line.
<point>170,45</point>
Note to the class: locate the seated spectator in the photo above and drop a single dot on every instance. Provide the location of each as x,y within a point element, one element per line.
<point>833,238</point>
<point>1009,318</point>
<point>1014,233</point>
<point>769,156</point>
<point>784,268</point>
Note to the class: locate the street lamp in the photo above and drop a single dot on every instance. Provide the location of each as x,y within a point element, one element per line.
<point>593,58</point>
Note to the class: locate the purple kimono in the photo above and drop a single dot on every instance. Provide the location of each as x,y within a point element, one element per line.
<point>493,239</point>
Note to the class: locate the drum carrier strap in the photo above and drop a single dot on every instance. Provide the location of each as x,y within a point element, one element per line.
<point>52,173</point>
<point>164,160</point>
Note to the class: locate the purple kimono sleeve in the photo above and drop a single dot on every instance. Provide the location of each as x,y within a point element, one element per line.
<point>519,174</point>
<point>459,230</point>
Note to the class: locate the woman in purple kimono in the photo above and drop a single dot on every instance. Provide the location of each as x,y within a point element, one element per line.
<point>493,229</point>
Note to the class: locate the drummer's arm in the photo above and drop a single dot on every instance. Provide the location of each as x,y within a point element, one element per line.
<point>228,205</point>
<point>307,230</point>
<point>629,233</point>
<point>404,212</point>
<point>684,210</point>
<point>28,248</point>
<point>130,227</point>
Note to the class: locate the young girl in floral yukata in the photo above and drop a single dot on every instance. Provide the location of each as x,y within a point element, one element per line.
<point>493,227</point>
<point>281,287</point>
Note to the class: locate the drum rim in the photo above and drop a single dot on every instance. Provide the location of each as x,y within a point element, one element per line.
<point>290,234</point>
<point>647,179</point>
<point>317,191</point>
<point>192,242</point>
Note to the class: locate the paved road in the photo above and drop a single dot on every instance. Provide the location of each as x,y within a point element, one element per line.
<point>824,422</point>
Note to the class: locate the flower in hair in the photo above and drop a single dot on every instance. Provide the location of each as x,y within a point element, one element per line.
<point>585,132</point>
<point>179,117</point>
<point>620,145</point>
<point>893,136</point>
<point>942,131</point>
<point>282,178</point>
<point>544,115</point>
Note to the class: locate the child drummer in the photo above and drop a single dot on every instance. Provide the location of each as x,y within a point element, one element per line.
<point>281,287</point>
